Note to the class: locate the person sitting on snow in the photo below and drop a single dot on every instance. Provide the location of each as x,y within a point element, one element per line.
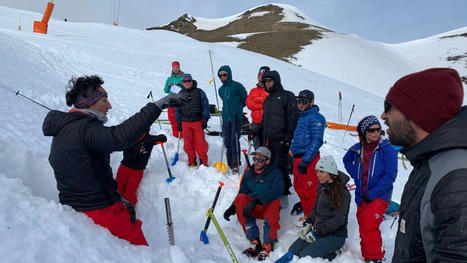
<point>325,230</point>
<point>307,140</point>
<point>192,118</point>
<point>258,197</point>
<point>80,155</point>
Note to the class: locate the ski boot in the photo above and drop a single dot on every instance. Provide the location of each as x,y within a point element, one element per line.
<point>253,252</point>
<point>267,248</point>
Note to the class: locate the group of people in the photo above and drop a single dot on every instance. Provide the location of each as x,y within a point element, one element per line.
<point>424,114</point>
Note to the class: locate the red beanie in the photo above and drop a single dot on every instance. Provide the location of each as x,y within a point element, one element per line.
<point>429,98</point>
<point>175,63</point>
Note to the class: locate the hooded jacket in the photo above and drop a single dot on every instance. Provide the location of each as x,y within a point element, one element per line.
<point>382,171</point>
<point>80,154</point>
<point>280,111</point>
<point>233,96</point>
<point>255,101</point>
<point>196,109</point>
<point>327,220</point>
<point>433,210</point>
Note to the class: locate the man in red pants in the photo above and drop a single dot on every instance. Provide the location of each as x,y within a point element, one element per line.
<point>193,118</point>
<point>173,84</point>
<point>258,197</point>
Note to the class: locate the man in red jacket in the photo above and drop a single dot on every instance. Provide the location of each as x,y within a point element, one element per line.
<point>254,102</point>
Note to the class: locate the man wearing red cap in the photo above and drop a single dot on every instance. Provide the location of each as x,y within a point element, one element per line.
<point>173,84</point>
<point>425,116</point>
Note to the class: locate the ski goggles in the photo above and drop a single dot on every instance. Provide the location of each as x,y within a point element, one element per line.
<point>303,101</point>
<point>387,106</point>
<point>259,160</point>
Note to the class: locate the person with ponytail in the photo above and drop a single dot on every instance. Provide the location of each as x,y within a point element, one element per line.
<point>325,230</point>
<point>372,163</point>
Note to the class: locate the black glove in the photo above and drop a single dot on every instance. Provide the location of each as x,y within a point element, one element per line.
<point>285,144</point>
<point>173,100</point>
<point>302,167</point>
<point>249,207</point>
<point>131,210</point>
<point>230,212</point>
<point>297,209</point>
<point>366,199</point>
<point>137,156</point>
<point>204,125</point>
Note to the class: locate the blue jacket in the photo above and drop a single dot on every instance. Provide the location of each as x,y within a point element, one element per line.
<point>233,96</point>
<point>381,175</point>
<point>308,136</point>
<point>266,186</point>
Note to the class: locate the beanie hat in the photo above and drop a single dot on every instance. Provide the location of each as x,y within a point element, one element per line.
<point>175,63</point>
<point>327,164</point>
<point>306,94</point>
<point>429,98</point>
<point>187,76</point>
<point>263,69</point>
<point>262,151</point>
<point>366,123</point>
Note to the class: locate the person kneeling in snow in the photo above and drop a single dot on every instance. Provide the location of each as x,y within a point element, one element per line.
<point>258,197</point>
<point>193,118</point>
<point>80,155</point>
<point>325,230</point>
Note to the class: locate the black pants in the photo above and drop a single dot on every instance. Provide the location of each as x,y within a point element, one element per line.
<point>280,156</point>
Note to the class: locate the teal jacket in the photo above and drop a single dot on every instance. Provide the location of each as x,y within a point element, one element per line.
<point>233,96</point>
<point>174,79</point>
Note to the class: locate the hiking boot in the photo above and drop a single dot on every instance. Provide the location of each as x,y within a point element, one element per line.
<point>253,251</point>
<point>267,248</point>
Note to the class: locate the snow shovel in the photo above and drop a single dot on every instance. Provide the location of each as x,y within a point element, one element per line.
<point>203,236</point>
<point>221,166</point>
<point>176,154</point>
<point>171,178</point>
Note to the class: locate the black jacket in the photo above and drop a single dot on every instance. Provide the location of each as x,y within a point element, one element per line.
<point>280,112</point>
<point>433,211</point>
<point>326,220</point>
<point>196,109</point>
<point>80,154</point>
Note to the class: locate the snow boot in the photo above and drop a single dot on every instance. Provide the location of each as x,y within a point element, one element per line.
<point>253,251</point>
<point>267,248</point>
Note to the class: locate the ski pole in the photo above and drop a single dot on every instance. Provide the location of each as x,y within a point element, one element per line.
<point>26,97</point>
<point>213,77</point>
<point>203,236</point>
<point>171,178</point>
<point>348,122</point>
<point>152,98</point>
<point>170,228</point>
<point>337,146</point>
<point>178,150</point>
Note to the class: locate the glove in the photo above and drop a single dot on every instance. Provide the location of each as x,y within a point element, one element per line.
<point>131,210</point>
<point>173,100</point>
<point>249,207</point>
<point>230,212</point>
<point>285,144</point>
<point>302,167</point>
<point>304,230</point>
<point>297,208</point>
<point>137,156</point>
<point>204,125</point>
<point>179,127</point>
<point>311,236</point>
<point>366,198</point>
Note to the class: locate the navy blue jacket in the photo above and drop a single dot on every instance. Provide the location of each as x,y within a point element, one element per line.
<point>381,174</point>
<point>266,186</point>
<point>308,136</point>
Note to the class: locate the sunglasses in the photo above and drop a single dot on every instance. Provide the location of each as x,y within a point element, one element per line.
<point>387,106</point>
<point>259,160</point>
<point>187,81</point>
<point>371,130</point>
<point>303,100</point>
<point>222,75</point>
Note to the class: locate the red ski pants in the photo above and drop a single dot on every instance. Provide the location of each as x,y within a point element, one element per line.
<point>269,211</point>
<point>369,217</point>
<point>116,218</point>
<point>194,142</point>
<point>173,122</point>
<point>306,185</point>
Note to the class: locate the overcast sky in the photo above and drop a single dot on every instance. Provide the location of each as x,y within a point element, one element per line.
<point>389,21</point>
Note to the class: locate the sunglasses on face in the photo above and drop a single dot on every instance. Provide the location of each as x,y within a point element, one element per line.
<point>222,75</point>
<point>371,130</point>
<point>187,81</point>
<point>387,106</point>
<point>259,160</point>
<point>303,101</point>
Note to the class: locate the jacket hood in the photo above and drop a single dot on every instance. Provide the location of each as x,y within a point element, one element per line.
<point>277,81</point>
<point>227,69</point>
<point>448,136</point>
<point>56,120</point>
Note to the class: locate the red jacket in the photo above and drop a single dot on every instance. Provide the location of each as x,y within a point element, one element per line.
<point>255,101</point>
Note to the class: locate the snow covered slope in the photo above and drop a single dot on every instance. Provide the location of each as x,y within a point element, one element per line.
<point>34,227</point>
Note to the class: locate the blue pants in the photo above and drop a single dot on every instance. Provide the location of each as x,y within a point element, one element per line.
<point>231,134</point>
<point>323,247</point>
